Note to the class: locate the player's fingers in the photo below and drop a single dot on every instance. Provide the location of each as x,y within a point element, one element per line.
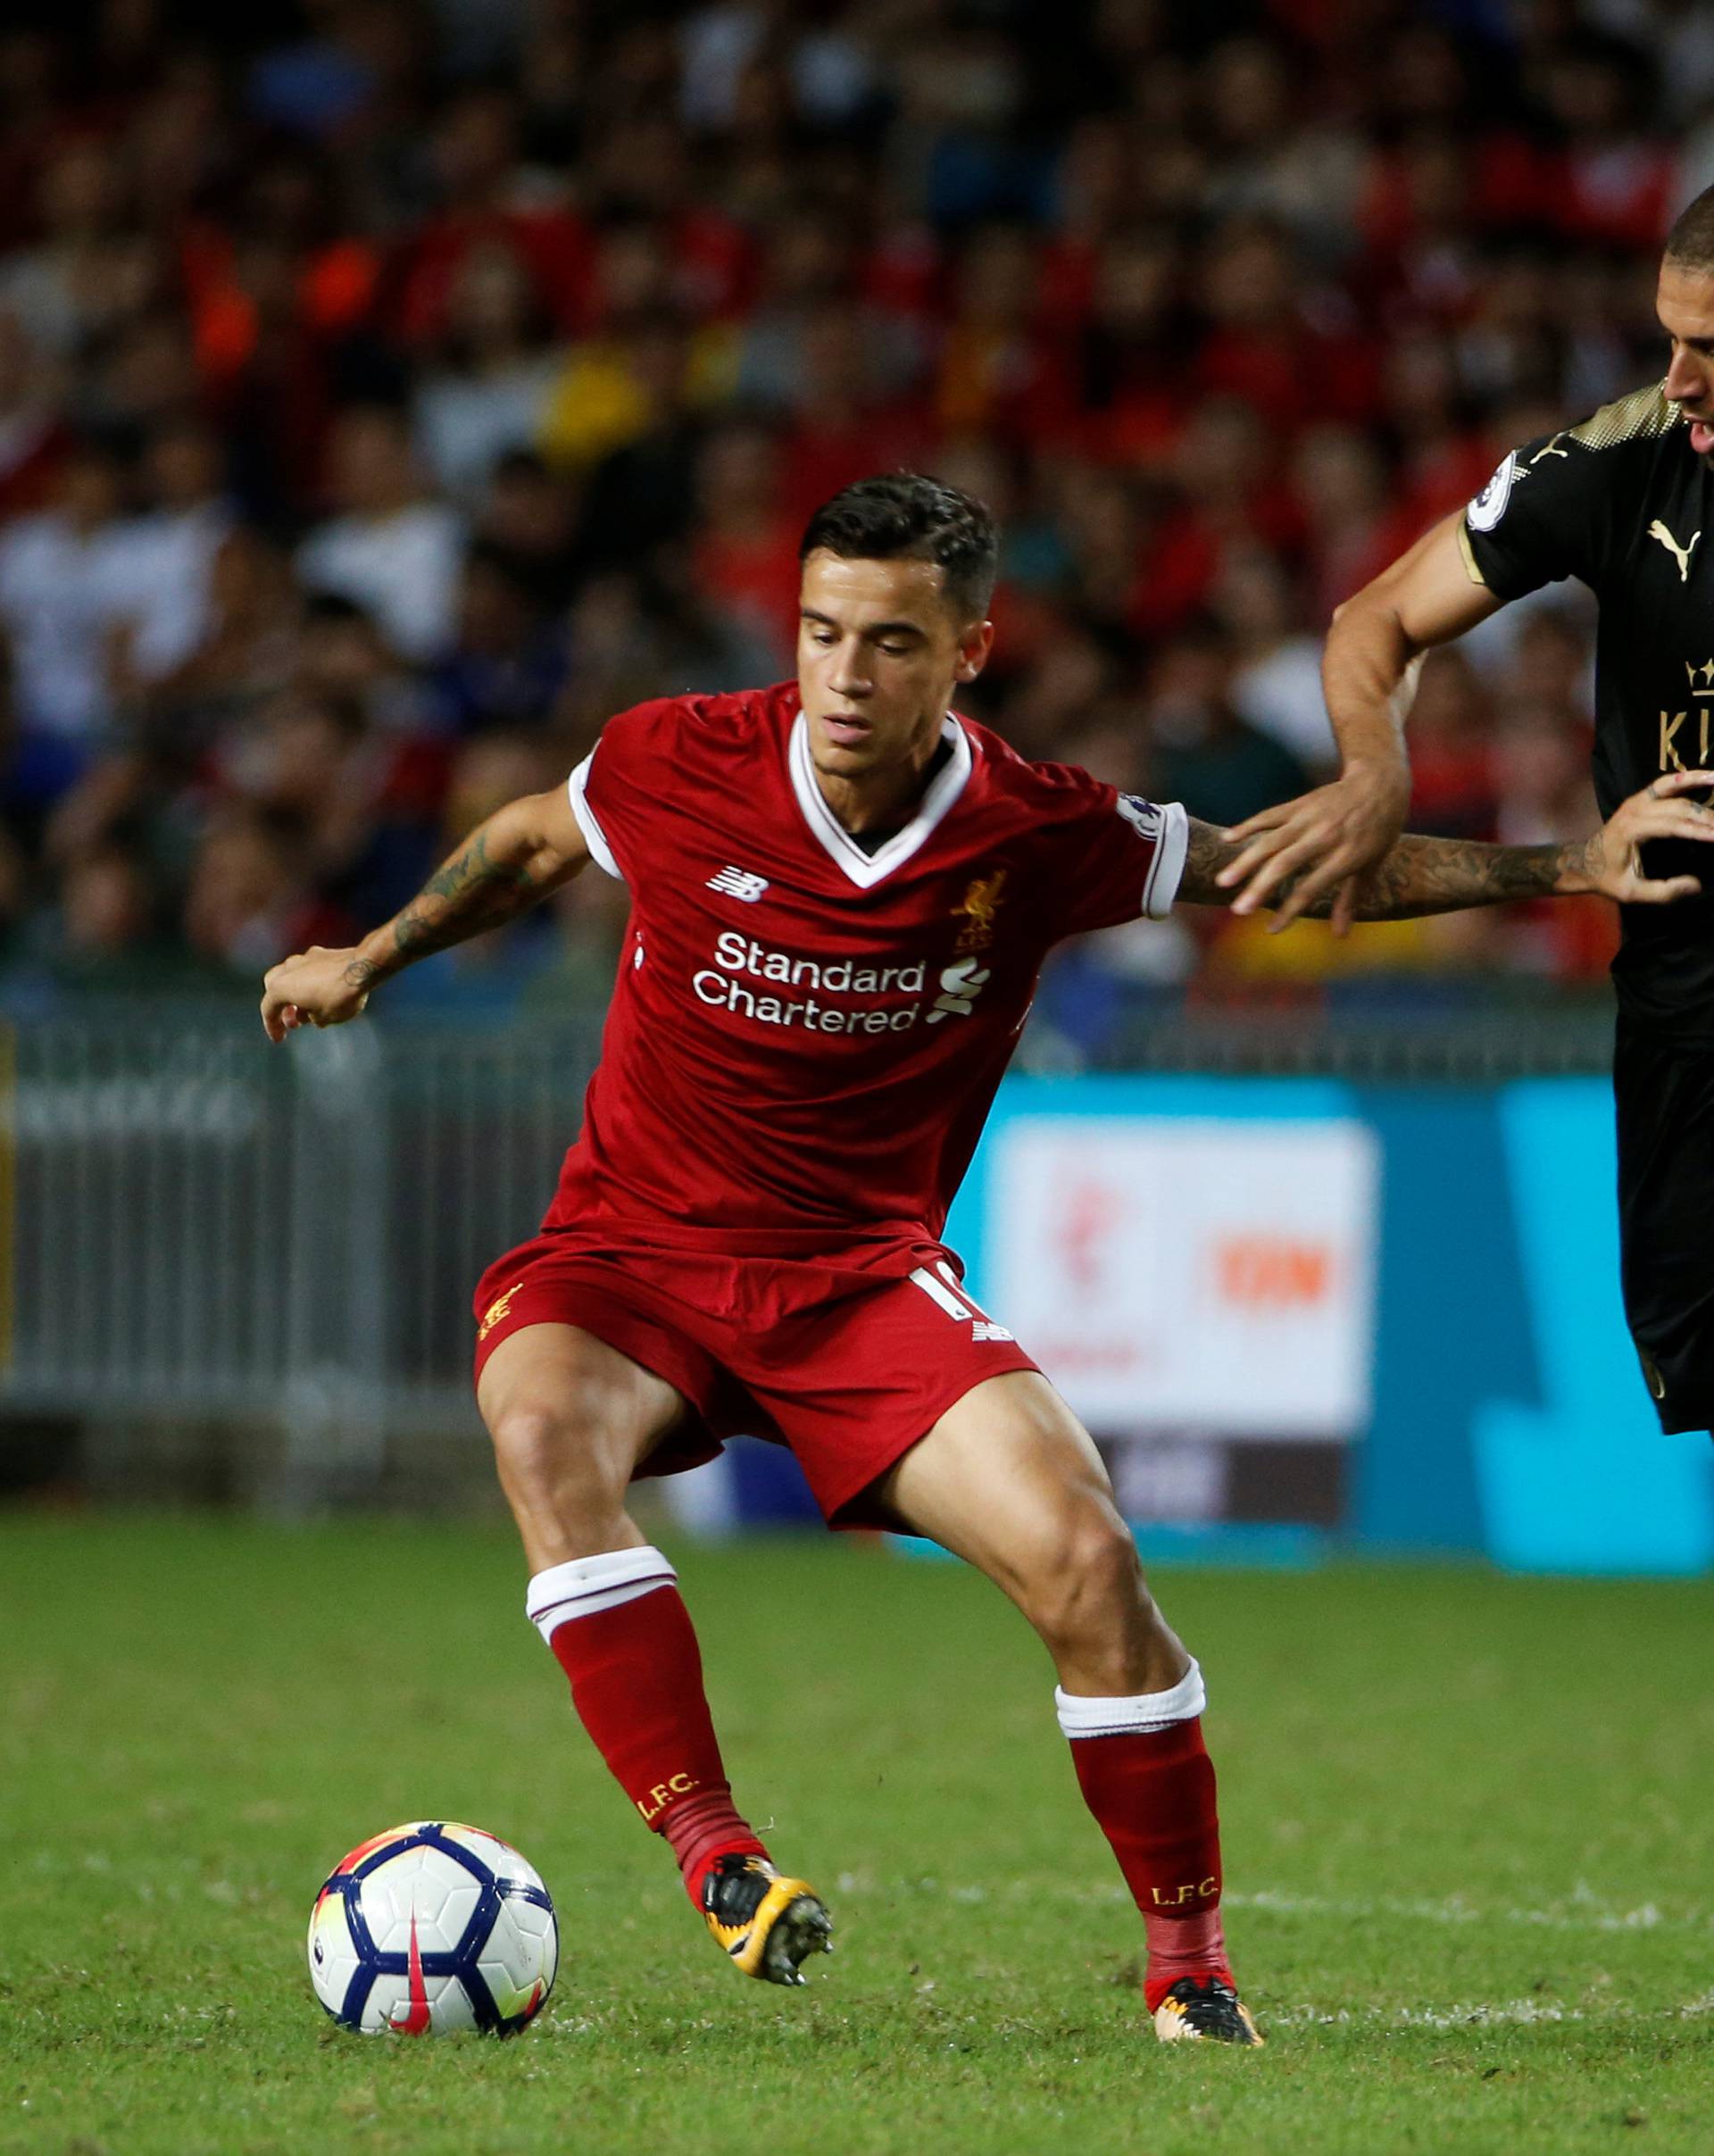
<point>1669,819</point>
<point>1262,848</point>
<point>1309,889</point>
<point>1677,782</point>
<point>1344,907</point>
<point>1264,820</point>
<point>1275,861</point>
<point>1309,866</point>
<point>1646,891</point>
<point>1679,820</point>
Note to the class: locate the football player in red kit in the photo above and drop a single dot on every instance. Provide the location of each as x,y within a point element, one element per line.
<point>842,894</point>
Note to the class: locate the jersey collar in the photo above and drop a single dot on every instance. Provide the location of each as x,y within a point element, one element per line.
<point>865,869</point>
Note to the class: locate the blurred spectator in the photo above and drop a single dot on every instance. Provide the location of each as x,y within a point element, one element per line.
<point>63,599</point>
<point>507,666</point>
<point>485,390</point>
<point>1201,749</point>
<point>388,394</point>
<point>391,547</point>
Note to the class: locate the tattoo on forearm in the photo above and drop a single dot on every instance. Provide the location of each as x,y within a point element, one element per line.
<point>465,895</point>
<point>1442,875</point>
<point>1419,876</point>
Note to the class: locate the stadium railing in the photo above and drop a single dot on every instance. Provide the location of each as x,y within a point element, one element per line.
<point>195,1227</point>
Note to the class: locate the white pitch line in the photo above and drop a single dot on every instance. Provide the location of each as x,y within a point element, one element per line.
<point>1582,1912</point>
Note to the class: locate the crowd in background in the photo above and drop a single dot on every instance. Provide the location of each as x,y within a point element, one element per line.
<point>392,389</point>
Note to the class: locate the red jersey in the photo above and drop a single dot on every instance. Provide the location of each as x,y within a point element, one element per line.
<point>804,1036</point>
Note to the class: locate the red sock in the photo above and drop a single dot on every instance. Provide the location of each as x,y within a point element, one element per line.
<point>1151,1791</point>
<point>637,1682</point>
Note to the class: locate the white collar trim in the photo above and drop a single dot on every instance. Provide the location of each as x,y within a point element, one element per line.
<point>867,869</point>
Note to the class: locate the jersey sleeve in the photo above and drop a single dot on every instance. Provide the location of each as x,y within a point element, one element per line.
<point>1114,857</point>
<point>613,788</point>
<point>1545,514</point>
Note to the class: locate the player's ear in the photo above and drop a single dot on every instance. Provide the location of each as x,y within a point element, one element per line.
<point>973,648</point>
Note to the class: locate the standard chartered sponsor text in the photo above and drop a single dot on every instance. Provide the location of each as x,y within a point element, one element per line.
<point>736,954</point>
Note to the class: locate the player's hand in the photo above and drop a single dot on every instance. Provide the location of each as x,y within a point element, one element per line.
<point>1322,842</point>
<point>1611,860</point>
<point>317,987</point>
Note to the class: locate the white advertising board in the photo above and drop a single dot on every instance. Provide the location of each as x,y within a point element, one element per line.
<point>1189,1274</point>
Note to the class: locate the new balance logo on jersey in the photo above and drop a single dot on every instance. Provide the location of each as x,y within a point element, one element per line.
<point>739,883</point>
<point>960,985</point>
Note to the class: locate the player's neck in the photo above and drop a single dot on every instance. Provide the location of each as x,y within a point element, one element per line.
<point>885,799</point>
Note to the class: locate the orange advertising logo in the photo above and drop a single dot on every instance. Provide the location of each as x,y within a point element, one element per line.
<point>1262,1272</point>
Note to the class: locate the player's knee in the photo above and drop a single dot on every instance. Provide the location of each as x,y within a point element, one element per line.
<point>553,1459</point>
<point>1087,1579</point>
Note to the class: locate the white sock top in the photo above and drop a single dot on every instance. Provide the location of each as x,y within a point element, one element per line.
<point>1144,1710</point>
<point>586,1585</point>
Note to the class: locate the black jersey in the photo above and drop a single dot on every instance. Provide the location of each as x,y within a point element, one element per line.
<point>1625,504</point>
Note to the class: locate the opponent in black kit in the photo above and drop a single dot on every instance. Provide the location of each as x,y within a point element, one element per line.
<point>1623,502</point>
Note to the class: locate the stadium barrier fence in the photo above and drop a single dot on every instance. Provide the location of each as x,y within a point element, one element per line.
<point>199,1231</point>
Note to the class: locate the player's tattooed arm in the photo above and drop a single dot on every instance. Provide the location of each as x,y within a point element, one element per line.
<point>1419,876</point>
<point>508,864</point>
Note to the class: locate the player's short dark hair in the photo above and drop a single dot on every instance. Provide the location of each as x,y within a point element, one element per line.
<point>902,516</point>
<point>1690,244</point>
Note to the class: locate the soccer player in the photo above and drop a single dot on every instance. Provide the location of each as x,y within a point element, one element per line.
<point>1625,502</point>
<point>841,897</point>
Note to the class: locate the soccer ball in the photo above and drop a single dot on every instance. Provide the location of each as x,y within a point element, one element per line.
<point>432,1927</point>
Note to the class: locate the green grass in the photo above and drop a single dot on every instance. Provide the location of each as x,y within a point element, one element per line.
<point>1466,1836</point>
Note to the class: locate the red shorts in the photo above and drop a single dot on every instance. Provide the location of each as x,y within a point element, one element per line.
<point>848,1359</point>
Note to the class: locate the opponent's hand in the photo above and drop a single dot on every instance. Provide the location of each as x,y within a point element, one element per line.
<point>1322,842</point>
<point>317,987</point>
<point>1609,859</point>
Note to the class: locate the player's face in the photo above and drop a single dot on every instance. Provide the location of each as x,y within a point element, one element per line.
<point>1684,301</point>
<point>880,653</point>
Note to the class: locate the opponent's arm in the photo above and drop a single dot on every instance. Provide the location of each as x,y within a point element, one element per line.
<point>1418,876</point>
<point>506,865</point>
<point>1294,854</point>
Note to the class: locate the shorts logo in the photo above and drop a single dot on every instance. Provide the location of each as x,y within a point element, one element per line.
<point>942,1288</point>
<point>496,1311</point>
<point>739,883</point>
<point>1490,506</point>
<point>1657,1384</point>
<point>1144,818</point>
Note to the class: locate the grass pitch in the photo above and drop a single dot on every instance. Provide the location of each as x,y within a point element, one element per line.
<point>1472,1883</point>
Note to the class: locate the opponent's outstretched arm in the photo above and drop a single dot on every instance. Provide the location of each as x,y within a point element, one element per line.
<point>1418,876</point>
<point>1320,844</point>
<point>506,865</point>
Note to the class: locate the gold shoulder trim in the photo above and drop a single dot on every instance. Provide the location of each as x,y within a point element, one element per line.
<point>1644,413</point>
<point>1469,552</point>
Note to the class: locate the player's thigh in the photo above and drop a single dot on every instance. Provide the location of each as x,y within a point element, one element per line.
<point>1009,1480</point>
<point>571,1418</point>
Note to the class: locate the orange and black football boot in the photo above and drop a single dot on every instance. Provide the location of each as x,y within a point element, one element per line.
<point>763,1924</point>
<point>1204,2010</point>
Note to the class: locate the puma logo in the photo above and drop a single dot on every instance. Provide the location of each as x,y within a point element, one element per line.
<point>1680,554</point>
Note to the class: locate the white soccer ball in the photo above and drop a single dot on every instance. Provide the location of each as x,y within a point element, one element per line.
<point>432,1927</point>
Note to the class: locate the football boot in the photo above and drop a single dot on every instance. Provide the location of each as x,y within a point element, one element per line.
<point>763,1924</point>
<point>1204,2010</point>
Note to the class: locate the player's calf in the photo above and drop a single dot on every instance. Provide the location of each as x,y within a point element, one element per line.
<point>1146,1777</point>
